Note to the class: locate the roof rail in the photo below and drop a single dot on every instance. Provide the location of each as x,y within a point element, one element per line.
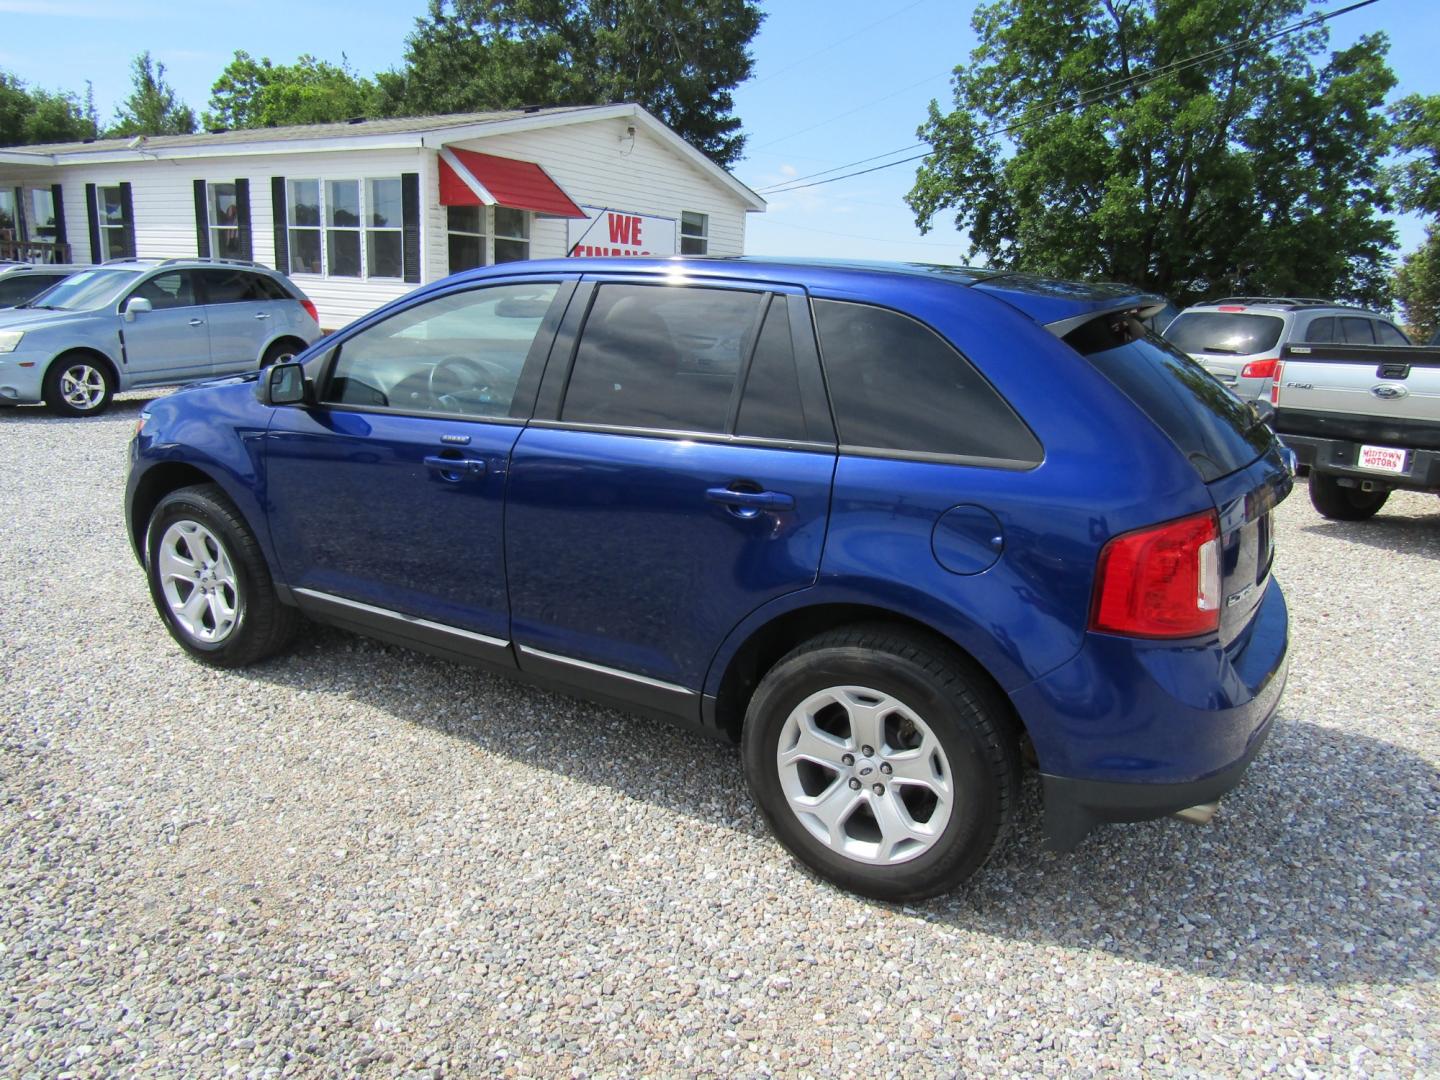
<point>1280,301</point>
<point>210,259</point>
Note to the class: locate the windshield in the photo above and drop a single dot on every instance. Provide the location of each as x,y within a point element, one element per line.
<point>87,290</point>
<point>1224,332</point>
<point>1207,422</point>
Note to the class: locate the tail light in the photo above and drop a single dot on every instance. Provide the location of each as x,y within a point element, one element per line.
<point>1259,369</point>
<point>1275,386</point>
<point>309,306</point>
<point>1160,582</point>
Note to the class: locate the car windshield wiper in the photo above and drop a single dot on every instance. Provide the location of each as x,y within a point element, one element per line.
<point>1219,349</point>
<point>39,307</point>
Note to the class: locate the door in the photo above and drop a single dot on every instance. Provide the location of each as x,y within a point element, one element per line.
<point>170,342</point>
<point>680,481</point>
<point>387,497</point>
<point>242,317</point>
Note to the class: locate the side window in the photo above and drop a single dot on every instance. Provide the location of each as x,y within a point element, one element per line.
<point>1386,334</point>
<point>771,407</point>
<point>169,290</point>
<point>1321,331</point>
<point>270,289</point>
<point>459,354</point>
<point>897,385</point>
<point>663,357</point>
<point>1356,331</point>
<point>231,286</point>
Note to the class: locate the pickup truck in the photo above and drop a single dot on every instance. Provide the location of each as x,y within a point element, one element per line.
<point>1364,418</point>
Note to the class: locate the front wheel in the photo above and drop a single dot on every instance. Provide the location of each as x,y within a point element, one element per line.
<point>78,385</point>
<point>209,580</point>
<point>1340,503</point>
<point>882,761</point>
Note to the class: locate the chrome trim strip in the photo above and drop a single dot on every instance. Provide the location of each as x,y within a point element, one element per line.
<point>601,669</point>
<point>469,635</point>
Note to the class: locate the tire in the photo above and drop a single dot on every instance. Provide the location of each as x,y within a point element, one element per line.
<point>925,700</point>
<point>1343,503</point>
<point>196,532</point>
<point>279,352</point>
<point>78,384</point>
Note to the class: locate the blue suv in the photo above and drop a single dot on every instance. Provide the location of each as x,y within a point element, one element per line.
<point>900,530</point>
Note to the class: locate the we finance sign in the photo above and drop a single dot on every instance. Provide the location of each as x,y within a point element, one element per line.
<point>608,232</point>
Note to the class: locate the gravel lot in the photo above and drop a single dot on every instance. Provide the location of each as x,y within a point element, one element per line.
<point>356,860</point>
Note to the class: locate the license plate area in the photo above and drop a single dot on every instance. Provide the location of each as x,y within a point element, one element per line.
<point>1383,459</point>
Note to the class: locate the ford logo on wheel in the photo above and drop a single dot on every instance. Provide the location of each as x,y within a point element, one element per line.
<point>1389,391</point>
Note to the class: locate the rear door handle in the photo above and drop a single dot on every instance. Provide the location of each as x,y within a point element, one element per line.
<point>455,468</point>
<point>197,322</point>
<point>262,314</point>
<point>751,500</point>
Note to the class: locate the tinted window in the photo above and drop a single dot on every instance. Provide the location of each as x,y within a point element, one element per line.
<point>459,354</point>
<point>21,287</point>
<point>897,385</point>
<point>1224,332</point>
<point>1388,335</point>
<point>771,407</point>
<point>660,357</point>
<point>1321,331</point>
<point>233,286</point>
<point>1207,422</point>
<point>1356,331</point>
<point>169,290</point>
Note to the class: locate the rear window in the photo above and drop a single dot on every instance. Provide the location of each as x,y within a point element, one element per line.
<point>897,385</point>
<point>1224,332</point>
<point>1207,422</point>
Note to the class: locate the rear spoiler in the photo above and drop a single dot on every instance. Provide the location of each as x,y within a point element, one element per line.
<point>1141,306</point>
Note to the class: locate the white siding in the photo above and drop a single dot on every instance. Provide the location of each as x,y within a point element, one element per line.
<point>164,196</point>
<point>596,163</point>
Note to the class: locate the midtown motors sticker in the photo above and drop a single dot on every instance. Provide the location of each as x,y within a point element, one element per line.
<point>608,232</point>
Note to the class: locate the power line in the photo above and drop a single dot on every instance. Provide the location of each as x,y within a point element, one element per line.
<point>1132,82</point>
<point>852,112</point>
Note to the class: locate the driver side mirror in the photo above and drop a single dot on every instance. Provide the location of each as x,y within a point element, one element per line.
<point>283,384</point>
<point>136,305</point>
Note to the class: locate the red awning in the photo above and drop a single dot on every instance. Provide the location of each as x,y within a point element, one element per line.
<point>471,179</point>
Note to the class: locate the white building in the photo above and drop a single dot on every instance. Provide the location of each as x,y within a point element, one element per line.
<point>360,213</point>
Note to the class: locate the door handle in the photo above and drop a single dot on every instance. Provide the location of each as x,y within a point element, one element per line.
<point>262,314</point>
<point>455,468</point>
<point>197,322</point>
<point>751,500</point>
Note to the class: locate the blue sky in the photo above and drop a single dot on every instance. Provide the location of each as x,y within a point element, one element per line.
<point>835,81</point>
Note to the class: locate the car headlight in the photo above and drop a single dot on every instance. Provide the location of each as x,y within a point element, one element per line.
<point>10,340</point>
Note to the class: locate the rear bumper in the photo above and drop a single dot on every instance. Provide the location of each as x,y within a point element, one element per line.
<point>1134,730</point>
<point>1337,457</point>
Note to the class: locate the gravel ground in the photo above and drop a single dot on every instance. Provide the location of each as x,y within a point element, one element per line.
<point>356,860</point>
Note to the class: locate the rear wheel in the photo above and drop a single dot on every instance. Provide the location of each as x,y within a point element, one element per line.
<point>79,385</point>
<point>882,762</point>
<point>209,580</point>
<point>281,352</point>
<point>1341,503</point>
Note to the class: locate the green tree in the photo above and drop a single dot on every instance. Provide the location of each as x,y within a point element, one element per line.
<point>1417,287</point>
<point>1087,140</point>
<point>680,59</point>
<point>153,107</point>
<point>1417,134</point>
<point>39,116</point>
<point>254,93</point>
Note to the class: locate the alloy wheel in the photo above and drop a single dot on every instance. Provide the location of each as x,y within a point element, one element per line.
<point>865,775</point>
<point>198,580</point>
<point>83,387</point>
